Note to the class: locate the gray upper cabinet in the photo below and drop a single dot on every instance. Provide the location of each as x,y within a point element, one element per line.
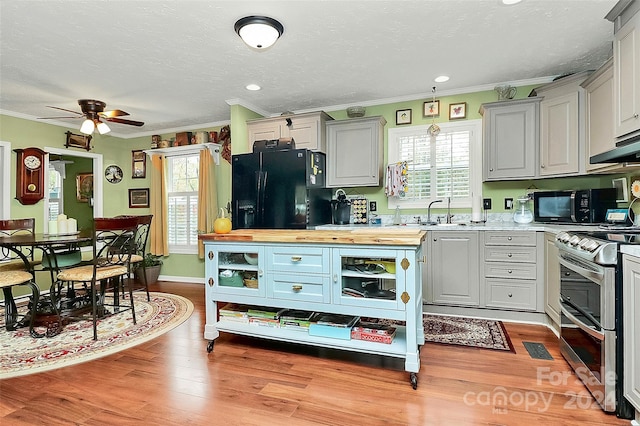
<point>626,72</point>
<point>510,133</point>
<point>599,115</point>
<point>307,130</point>
<point>355,152</point>
<point>562,126</point>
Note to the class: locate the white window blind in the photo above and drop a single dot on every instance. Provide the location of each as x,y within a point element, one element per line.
<point>56,196</point>
<point>182,198</point>
<point>441,167</point>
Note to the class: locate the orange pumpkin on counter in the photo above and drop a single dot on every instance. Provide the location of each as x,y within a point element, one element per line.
<point>222,225</point>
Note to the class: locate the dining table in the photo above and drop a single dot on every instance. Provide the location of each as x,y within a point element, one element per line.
<point>51,245</point>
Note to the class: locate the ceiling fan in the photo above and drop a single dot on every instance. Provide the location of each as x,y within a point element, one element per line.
<point>95,116</point>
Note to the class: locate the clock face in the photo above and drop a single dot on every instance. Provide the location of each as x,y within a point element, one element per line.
<point>113,174</point>
<point>32,162</point>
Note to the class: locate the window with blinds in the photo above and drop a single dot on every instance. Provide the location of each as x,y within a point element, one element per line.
<point>441,167</point>
<point>182,199</point>
<point>55,194</point>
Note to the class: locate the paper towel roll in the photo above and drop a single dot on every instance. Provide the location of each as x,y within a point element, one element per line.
<point>476,209</point>
<point>53,227</point>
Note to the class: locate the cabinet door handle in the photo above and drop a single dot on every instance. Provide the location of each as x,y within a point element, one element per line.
<point>296,287</point>
<point>509,255</point>
<point>435,239</point>
<point>260,273</point>
<point>335,278</point>
<point>510,295</point>
<point>542,166</point>
<point>635,115</point>
<point>509,271</point>
<point>296,258</point>
<point>490,170</point>
<point>210,254</point>
<point>211,282</point>
<point>509,238</point>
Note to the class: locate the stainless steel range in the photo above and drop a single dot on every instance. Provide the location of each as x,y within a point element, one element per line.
<point>591,311</point>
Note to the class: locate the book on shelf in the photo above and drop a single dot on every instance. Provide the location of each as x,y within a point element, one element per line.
<point>296,314</point>
<point>233,309</point>
<point>301,325</point>
<point>372,337</point>
<point>264,322</point>
<point>265,312</point>
<point>335,320</point>
<point>232,318</point>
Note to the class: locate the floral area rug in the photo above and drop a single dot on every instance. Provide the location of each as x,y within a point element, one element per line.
<point>479,333</point>
<point>21,354</point>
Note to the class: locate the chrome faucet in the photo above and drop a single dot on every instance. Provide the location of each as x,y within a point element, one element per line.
<point>429,222</point>
<point>449,215</point>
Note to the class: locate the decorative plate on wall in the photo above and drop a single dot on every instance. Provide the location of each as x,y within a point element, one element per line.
<point>113,173</point>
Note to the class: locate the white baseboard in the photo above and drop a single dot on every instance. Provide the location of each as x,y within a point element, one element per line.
<point>192,280</point>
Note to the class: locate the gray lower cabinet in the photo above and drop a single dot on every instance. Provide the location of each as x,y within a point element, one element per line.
<point>631,333</point>
<point>552,278</point>
<point>355,152</point>
<point>510,133</point>
<point>511,270</point>
<point>453,268</point>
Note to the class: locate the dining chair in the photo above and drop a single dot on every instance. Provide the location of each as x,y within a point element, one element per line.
<point>87,285</point>
<point>10,278</point>
<point>22,258</point>
<point>139,253</point>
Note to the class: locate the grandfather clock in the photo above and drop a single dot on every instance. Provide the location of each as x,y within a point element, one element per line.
<point>30,175</point>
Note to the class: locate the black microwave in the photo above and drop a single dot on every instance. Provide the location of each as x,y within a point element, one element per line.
<point>580,206</point>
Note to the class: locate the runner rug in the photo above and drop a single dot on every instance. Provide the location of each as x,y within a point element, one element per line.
<point>21,354</point>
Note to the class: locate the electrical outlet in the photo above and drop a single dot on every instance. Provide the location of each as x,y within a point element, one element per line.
<point>486,204</point>
<point>508,203</point>
<point>373,206</point>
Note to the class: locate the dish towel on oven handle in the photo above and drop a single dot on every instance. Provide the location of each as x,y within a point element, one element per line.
<point>396,180</point>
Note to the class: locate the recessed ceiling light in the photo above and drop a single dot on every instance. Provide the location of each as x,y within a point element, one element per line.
<point>441,79</point>
<point>510,2</point>
<point>253,87</point>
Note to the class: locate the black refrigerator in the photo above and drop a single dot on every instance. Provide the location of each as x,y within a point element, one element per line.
<point>279,190</point>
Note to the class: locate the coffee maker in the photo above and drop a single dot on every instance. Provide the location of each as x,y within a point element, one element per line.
<point>341,208</point>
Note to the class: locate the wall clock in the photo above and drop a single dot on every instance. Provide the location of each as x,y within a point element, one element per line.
<point>30,175</point>
<point>113,174</point>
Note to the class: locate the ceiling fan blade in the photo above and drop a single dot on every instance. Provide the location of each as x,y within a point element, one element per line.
<point>64,109</point>
<point>113,113</point>
<point>124,121</point>
<point>53,118</point>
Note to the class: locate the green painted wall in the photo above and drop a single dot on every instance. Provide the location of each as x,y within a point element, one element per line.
<point>81,211</point>
<point>23,133</point>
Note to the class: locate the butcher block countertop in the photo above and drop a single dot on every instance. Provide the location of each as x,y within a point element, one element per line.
<point>365,236</point>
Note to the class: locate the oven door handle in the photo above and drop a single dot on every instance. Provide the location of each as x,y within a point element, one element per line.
<point>595,276</point>
<point>590,331</point>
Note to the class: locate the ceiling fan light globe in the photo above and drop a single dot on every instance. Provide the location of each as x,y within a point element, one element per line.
<point>87,127</point>
<point>103,128</point>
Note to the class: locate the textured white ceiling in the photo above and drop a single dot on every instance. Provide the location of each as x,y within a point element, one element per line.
<point>177,64</point>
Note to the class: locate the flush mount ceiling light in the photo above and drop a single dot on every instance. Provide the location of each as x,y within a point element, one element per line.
<point>441,79</point>
<point>510,2</point>
<point>252,87</point>
<point>259,32</point>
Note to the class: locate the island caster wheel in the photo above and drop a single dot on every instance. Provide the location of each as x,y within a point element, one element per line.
<point>413,377</point>
<point>210,346</point>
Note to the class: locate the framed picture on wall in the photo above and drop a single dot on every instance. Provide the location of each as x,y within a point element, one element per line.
<point>431,109</point>
<point>78,141</point>
<point>403,116</point>
<point>84,187</point>
<point>138,164</point>
<point>139,198</point>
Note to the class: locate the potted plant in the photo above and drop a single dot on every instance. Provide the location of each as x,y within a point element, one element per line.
<point>152,263</point>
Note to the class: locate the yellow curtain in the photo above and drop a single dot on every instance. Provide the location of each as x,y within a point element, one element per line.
<point>159,229</point>
<point>207,197</point>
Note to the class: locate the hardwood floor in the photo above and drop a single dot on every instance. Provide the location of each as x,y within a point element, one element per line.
<point>173,380</point>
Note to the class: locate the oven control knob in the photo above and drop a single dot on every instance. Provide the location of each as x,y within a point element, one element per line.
<point>584,243</point>
<point>591,246</point>
<point>562,236</point>
<point>574,240</point>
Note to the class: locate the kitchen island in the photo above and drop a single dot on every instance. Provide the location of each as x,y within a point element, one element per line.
<point>365,273</point>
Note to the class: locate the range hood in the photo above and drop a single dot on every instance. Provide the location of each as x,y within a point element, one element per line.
<point>627,151</point>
